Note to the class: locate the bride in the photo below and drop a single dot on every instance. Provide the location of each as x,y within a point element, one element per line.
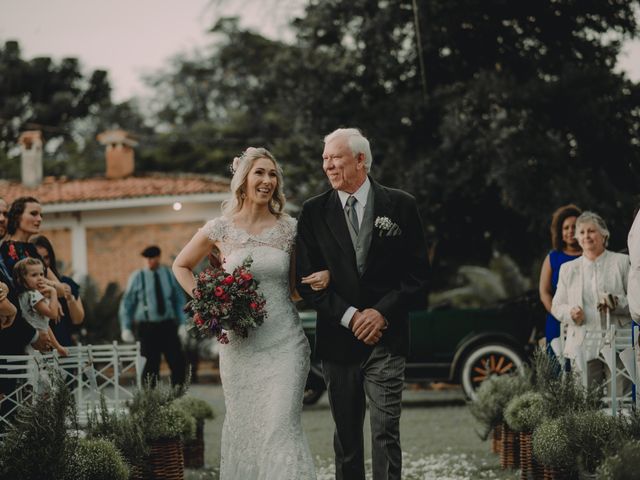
<point>263,376</point>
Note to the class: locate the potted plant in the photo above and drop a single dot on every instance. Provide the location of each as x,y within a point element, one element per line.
<point>97,459</point>
<point>38,444</point>
<point>592,434</point>
<point>164,427</point>
<point>624,465</point>
<point>200,410</point>
<point>553,447</point>
<point>117,427</point>
<point>493,395</point>
<point>522,415</point>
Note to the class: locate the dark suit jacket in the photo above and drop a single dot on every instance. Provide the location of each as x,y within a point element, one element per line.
<point>393,282</point>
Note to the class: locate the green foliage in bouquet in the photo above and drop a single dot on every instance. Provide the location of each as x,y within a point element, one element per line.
<point>624,465</point>
<point>592,433</point>
<point>152,409</point>
<point>127,436</point>
<point>492,397</point>
<point>552,445</point>
<point>195,407</point>
<point>525,412</point>
<point>97,459</point>
<point>37,444</point>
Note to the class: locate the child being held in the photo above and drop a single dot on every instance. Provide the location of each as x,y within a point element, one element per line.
<point>38,300</point>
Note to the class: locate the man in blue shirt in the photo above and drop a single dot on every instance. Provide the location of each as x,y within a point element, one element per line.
<point>154,302</point>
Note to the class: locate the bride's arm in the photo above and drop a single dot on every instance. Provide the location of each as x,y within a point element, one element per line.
<point>317,280</point>
<point>194,251</point>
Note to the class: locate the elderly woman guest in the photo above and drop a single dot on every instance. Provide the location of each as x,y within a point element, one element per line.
<point>588,288</point>
<point>72,308</point>
<point>565,249</point>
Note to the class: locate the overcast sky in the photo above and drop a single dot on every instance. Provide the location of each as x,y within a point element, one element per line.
<point>131,37</point>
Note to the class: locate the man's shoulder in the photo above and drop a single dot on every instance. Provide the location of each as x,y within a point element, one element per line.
<point>317,201</point>
<point>397,195</point>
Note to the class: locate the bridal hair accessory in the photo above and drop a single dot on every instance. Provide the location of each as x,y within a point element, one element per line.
<point>386,227</point>
<point>236,161</point>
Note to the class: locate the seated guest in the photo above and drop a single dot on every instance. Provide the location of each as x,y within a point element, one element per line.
<point>588,288</point>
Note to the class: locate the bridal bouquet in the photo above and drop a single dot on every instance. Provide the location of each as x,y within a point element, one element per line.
<point>226,302</point>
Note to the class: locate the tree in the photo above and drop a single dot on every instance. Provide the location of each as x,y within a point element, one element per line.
<point>45,95</point>
<point>518,109</point>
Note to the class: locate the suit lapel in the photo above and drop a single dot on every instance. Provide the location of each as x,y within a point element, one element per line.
<point>382,207</point>
<point>337,223</point>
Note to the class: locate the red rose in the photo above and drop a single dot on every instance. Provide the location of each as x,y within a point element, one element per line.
<point>246,276</point>
<point>12,252</point>
<point>218,292</point>
<point>228,280</point>
<point>198,319</point>
<point>253,305</point>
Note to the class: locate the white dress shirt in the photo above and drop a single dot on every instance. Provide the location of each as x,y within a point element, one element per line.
<point>361,196</point>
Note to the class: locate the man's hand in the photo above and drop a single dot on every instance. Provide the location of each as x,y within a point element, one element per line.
<point>127,336</point>
<point>367,326</point>
<point>577,315</point>
<point>4,291</point>
<point>43,342</point>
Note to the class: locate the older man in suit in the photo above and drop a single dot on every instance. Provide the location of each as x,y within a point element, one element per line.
<point>370,238</point>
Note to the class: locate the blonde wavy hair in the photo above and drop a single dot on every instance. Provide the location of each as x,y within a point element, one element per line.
<point>241,168</point>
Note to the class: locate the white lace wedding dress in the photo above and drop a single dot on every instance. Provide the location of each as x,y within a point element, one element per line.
<point>263,375</point>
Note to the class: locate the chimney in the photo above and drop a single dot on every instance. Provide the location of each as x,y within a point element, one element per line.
<point>31,157</point>
<point>119,153</point>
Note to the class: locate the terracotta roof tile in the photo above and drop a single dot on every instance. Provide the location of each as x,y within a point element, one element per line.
<point>61,190</point>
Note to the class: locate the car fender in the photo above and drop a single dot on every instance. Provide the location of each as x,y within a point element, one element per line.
<point>475,339</point>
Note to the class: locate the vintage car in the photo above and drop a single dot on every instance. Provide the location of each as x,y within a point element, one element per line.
<point>458,345</point>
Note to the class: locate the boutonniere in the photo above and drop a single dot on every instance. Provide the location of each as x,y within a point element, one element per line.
<point>386,227</point>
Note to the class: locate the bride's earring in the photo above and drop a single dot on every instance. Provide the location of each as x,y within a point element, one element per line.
<point>243,195</point>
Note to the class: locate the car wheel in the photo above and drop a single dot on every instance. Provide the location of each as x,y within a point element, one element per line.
<point>487,360</point>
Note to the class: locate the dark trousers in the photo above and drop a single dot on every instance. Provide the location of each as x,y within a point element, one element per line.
<point>380,379</point>
<point>157,338</point>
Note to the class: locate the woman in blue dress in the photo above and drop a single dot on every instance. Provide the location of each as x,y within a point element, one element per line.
<point>565,248</point>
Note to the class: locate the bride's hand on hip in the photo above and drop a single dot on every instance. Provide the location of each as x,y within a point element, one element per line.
<point>317,280</point>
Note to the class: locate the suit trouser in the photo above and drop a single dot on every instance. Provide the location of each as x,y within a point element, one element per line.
<point>380,379</point>
<point>157,338</point>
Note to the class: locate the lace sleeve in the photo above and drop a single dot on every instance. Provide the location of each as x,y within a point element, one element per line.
<point>291,226</point>
<point>214,229</point>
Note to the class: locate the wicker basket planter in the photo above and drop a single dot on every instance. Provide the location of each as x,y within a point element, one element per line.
<point>530,469</point>
<point>509,448</point>
<point>165,462</point>
<point>554,473</point>
<point>496,438</point>
<point>193,450</point>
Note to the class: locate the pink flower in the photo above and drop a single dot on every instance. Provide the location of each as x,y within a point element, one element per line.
<point>219,292</point>
<point>228,280</point>
<point>253,305</point>
<point>198,319</point>
<point>246,276</point>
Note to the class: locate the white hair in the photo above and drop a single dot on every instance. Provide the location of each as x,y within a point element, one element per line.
<point>358,143</point>
<point>595,219</point>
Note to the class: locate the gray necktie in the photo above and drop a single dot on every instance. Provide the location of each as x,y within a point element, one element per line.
<point>350,210</point>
